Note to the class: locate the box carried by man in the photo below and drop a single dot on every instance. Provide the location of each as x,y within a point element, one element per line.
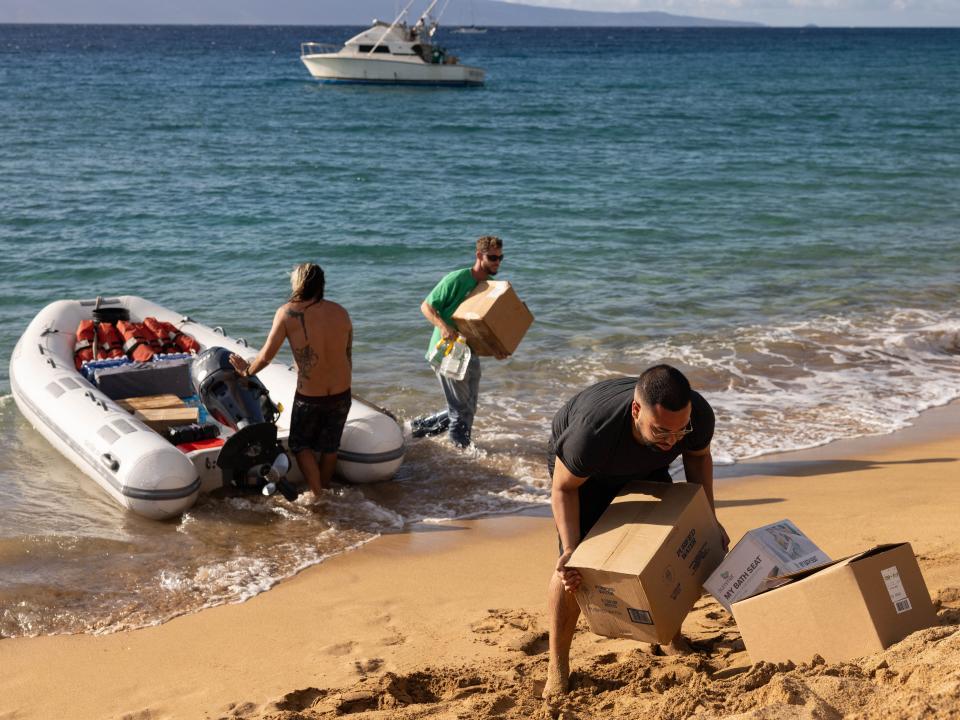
<point>643,563</point>
<point>493,319</point>
<point>756,562</point>
<point>848,609</point>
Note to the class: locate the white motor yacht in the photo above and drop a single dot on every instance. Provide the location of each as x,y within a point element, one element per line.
<point>390,53</point>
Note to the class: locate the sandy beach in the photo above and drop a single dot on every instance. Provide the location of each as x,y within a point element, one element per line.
<point>449,620</point>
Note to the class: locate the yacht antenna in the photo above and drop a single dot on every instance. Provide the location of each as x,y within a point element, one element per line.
<point>392,26</point>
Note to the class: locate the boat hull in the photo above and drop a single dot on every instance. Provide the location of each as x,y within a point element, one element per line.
<point>339,69</point>
<point>137,467</point>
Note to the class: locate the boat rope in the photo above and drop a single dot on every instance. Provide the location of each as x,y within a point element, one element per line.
<point>440,14</point>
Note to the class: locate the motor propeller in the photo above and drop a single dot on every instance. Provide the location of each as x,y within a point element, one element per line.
<point>274,477</point>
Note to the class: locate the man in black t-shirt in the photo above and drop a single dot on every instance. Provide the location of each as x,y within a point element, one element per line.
<point>610,434</point>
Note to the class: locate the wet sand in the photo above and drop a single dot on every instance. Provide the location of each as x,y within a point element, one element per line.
<point>449,620</point>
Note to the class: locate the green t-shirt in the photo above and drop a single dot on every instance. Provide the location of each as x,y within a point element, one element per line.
<point>447,296</point>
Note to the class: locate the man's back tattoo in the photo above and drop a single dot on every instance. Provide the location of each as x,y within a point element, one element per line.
<point>306,360</point>
<point>299,316</point>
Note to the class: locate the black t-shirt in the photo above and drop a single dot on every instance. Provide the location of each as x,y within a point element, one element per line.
<point>592,433</point>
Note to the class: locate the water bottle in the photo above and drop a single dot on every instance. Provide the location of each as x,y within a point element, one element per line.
<point>454,363</point>
<point>440,351</point>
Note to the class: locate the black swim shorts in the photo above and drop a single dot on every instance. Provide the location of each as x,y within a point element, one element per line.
<point>317,422</point>
<point>598,492</point>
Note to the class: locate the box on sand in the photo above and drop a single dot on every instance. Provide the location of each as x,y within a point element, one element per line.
<point>492,318</point>
<point>759,559</point>
<point>644,562</point>
<point>851,608</point>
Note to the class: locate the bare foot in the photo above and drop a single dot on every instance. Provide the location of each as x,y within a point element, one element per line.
<point>558,680</point>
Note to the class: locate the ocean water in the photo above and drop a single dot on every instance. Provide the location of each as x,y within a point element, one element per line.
<point>774,211</point>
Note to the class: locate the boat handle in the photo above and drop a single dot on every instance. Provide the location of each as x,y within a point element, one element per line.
<point>96,400</point>
<point>243,341</point>
<point>42,350</point>
<point>51,363</point>
<point>219,330</point>
<point>110,461</point>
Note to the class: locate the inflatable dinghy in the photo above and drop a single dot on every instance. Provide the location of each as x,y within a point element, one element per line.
<point>91,415</point>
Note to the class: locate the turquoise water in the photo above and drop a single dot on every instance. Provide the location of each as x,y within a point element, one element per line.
<point>775,211</point>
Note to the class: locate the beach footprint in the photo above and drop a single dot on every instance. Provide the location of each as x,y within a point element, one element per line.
<point>344,648</point>
<point>365,667</point>
<point>233,711</point>
<point>300,700</point>
<point>513,629</point>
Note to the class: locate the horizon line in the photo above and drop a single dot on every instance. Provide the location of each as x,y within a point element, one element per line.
<point>747,25</point>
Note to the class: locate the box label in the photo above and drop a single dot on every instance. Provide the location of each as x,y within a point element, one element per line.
<point>786,541</point>
<point>898,595</point>
<point>640,616</point>
<point>743,577</point>
<point>687,545</point>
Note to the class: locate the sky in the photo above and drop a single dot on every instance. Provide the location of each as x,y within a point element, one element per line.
<point>826,13</point>
<point>869,13</point>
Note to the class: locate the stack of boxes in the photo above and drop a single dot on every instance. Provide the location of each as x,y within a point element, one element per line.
<point>647,559</point>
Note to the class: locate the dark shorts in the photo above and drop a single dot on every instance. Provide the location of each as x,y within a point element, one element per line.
<point>598,492</point>
<point>317,422</point>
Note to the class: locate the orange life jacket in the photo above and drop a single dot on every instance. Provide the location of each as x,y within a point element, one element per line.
<point>173,340</point>
<point>140,340</point>
<point>83,348</point>
<point>109,342</point>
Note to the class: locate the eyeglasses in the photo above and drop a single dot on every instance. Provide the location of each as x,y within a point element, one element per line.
<point>665,435</point>
<point>494,258</point>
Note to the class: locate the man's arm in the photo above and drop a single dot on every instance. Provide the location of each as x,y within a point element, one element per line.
<point>431,314</point>
<point>565,503</point>
<point>698,468</point>
<point>278,333</point>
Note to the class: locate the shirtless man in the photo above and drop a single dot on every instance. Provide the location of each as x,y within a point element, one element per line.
<point>321,337</point>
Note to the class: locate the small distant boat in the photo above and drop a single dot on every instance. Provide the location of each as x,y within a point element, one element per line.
<point>391,54</point>
<point>472,28</point>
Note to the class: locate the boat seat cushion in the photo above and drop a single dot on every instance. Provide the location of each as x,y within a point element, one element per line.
<point>146,378</point>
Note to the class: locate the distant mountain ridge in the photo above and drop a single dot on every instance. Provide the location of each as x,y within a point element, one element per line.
<point>332,12</point>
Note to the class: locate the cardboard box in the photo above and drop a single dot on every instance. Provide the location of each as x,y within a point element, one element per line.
<point>150,402</point>
<point>493,318</point>
<point>759,559</point>
<point>160,419</point>
<point>644,562</point>
<point>848,609</point>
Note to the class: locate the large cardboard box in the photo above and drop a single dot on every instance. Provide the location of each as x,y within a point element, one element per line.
<point>493,319</point>
<point>760,558</point>
<point>644,562</point>
<point>848,609</point>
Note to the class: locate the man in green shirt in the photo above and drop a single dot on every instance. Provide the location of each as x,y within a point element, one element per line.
<point>438,308</point>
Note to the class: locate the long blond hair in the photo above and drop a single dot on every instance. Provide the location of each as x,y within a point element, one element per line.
<point>307,282</point>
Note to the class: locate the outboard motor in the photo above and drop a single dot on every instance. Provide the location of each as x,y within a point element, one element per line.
<point>252,459</point>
